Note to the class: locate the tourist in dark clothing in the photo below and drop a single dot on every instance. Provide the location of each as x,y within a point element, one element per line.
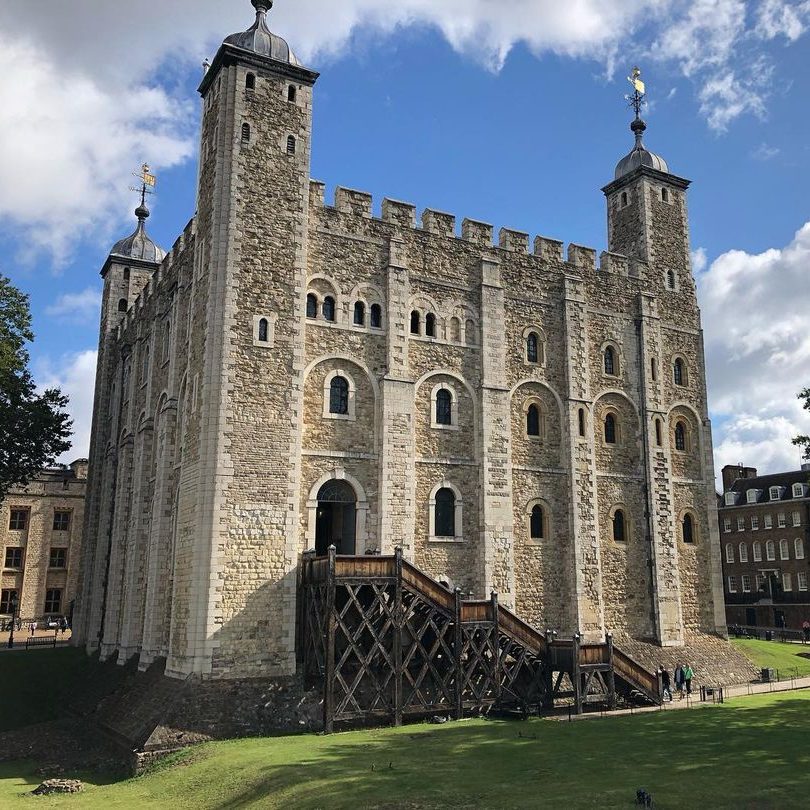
<point>679,680</point>
<point>666,691</point>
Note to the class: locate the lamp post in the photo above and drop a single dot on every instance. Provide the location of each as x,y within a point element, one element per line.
<point>13,605</point>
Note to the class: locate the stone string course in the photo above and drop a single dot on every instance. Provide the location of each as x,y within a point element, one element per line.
<point>207,457</point>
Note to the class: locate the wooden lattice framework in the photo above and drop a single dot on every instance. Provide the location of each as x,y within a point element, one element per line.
<point>386,642</point>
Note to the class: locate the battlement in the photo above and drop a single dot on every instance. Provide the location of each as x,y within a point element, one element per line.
<point>352,202</point>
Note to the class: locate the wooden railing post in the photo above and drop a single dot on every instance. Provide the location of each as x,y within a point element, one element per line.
<point>496,662</point>
<point>329,687</point>
<point>611,673</point>
<point>459,645</point>
<point>399,621</point>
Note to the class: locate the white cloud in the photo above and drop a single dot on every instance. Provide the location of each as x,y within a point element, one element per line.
<point>81,307</point>
<point>758,352</point>
<point>90,89</point>
<point>75,375</point>
<point>699,260</point>
<point>765,152</point>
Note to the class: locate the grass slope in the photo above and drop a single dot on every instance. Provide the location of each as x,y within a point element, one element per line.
<point>748,754</point>
<point>789,659</point>
<point>40,682</point>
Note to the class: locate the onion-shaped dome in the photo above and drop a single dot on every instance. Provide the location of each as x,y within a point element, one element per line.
<point>640,156</point>
<point>261,40</point>
<point>138,245</point>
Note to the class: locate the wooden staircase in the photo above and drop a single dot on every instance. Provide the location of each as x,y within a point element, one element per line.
<point>386,642</point>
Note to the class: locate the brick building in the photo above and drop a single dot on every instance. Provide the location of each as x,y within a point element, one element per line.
<point>40,542</point>
<point>764,534</point>
<point>296,373</point>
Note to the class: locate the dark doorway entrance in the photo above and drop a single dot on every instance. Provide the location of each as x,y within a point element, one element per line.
<point>751,617</point>
<point>336,519</point>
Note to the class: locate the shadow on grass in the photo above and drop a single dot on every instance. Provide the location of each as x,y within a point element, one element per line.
<point>731,756</point>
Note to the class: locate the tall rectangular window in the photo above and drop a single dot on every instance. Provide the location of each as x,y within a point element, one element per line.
<point>726,525</point>
<point>53,600</point>
<point>6,597</point>
<point>787,582</point>
<point>754,523</point>
<point>780,520</point>
<point>58,558</point>
<point>732,584</point>
<point>740,524</point>
<point>768,521</point>
<point>797,518</point>
<point>802,577</point>
<point>61,521</point>
<point>18,520</point>
<point>14,557</point>
<point>746,583</point>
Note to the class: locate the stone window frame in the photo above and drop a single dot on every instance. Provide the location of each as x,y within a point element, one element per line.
<point>360,327</point>
<point>332,290</point>
<point>618,359</point>
<point>687,435</point>
<point>541,437</point>
<point>444,386</point>
<point>614,412</point>
<point>369,296</point>
<point>19,567</point>
<point>458,517</point>
<point>64,555</point>
<point>62,511</point>
<point>756,549</point>
<point>685,375</point>
<point>5,599</point>
<point>362,507</point>
<point>327,390</point>
<point>51,599</point>
<point>547,522</point>
<point>628,525</point>
<point>457,338</point>
<point>26,520</point>
<point>290,93</point>
<point>729,552</point>
<point>166,341</point>
<point>691,512</point>
<point>271,319</point>
<point>541,347</point>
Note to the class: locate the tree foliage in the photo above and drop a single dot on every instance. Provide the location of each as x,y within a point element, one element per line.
<point>34,427</point>
<point>804,441</point>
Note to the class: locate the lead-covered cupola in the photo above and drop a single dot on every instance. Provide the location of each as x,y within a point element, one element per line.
<point>259,39</point>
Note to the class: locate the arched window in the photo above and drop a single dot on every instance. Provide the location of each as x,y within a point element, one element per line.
<point>619,527</point>
<point>444,407</point>
<point>671,279</point>
<point>445,517</point>
<point>581,419</point>
<point>145,362</point>
<point>250,81</point>
<point>757,552</point>
<point>680,437</point>
<point>312,305</point>
<point>624,198</point>
<point>537,523</point>
<point>664,195</point>
<point>784,550</point>
<point>126,274</point>
<point>532,348</point>
<point>339,396</point>
<point>359,314</point>
<point>264,330</point>
<point>742,550</point>
<point>415,322</point>
<point>469,332</point>
<point>430,325</point>
<point>123,305</point>
<point>329,308</point>
<point>290,145</point>
<point>688,528</point>
<point>729,553</point>
<point>291,93</point>
<point>610,360</point>
<point>455,330</point>
<point>798,548</point>
<point>376,316</point>
<point>658,438</point>
<point>610,429</point>
<point>245,133</point>
<point>533,421</point>
<point>678,375</point>
<point>770,550</point>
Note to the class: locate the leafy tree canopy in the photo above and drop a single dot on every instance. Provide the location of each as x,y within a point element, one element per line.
<point>34,428</point>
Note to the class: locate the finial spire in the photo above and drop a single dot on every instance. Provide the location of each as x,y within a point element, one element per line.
<point>262,6</point>
<point>148,181</point>
<point>637,102</point>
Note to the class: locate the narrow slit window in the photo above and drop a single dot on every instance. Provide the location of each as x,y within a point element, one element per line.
<point>123,305</point>
<point>339,396</point>
<point>329,308</point>
<point>245,133</point>
<point>376,316</point>
<point>264,330</point>
<point>658,437</point>
<point>430,325</point>
<point>664,195</point>
<point>680,437</point>
<point>359,314</point>
<point>671,280</point>
<point>444,407</point>
<point>445,517</point>
<point>469,333</point>
<point>291,145</point>
<point>415,322</point>
<point>581,420</point>
<point>619,527</point>
<point>610,429</point>
<point>532,348</point>
<point>537,521</point>
<point>312,305</point>
<point>292,93</point>
<point>688,529</point>
<point>250,81</point>
<point>610,361</point>
<point>678,373</point>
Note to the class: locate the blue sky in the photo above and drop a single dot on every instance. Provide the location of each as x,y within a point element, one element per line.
<point>513,115</point>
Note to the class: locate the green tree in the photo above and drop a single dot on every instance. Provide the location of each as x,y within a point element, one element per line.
<point>34,428</point>
<point>804,441</point>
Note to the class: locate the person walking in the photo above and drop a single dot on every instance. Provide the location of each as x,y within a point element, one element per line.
<point>33,628</point>
<point>679,681</point>
<point>666,685</point>
<point>688,674</point>
<point>806,630</point>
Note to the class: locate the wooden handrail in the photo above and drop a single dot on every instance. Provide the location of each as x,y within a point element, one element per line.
<point>518,629</point>
<point>412,576</point>
<point>635,673</point>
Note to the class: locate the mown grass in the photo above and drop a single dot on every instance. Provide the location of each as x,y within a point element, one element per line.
<point>36,684</point>
<point>749,753</point>
<point>789,659</point>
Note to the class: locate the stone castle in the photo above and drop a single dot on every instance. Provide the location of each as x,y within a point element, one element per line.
<point>296,374</point>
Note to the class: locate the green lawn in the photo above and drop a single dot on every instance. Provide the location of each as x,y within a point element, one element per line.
<point>789,659</point>
<point>40,681</point>
<point>751,753</point>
